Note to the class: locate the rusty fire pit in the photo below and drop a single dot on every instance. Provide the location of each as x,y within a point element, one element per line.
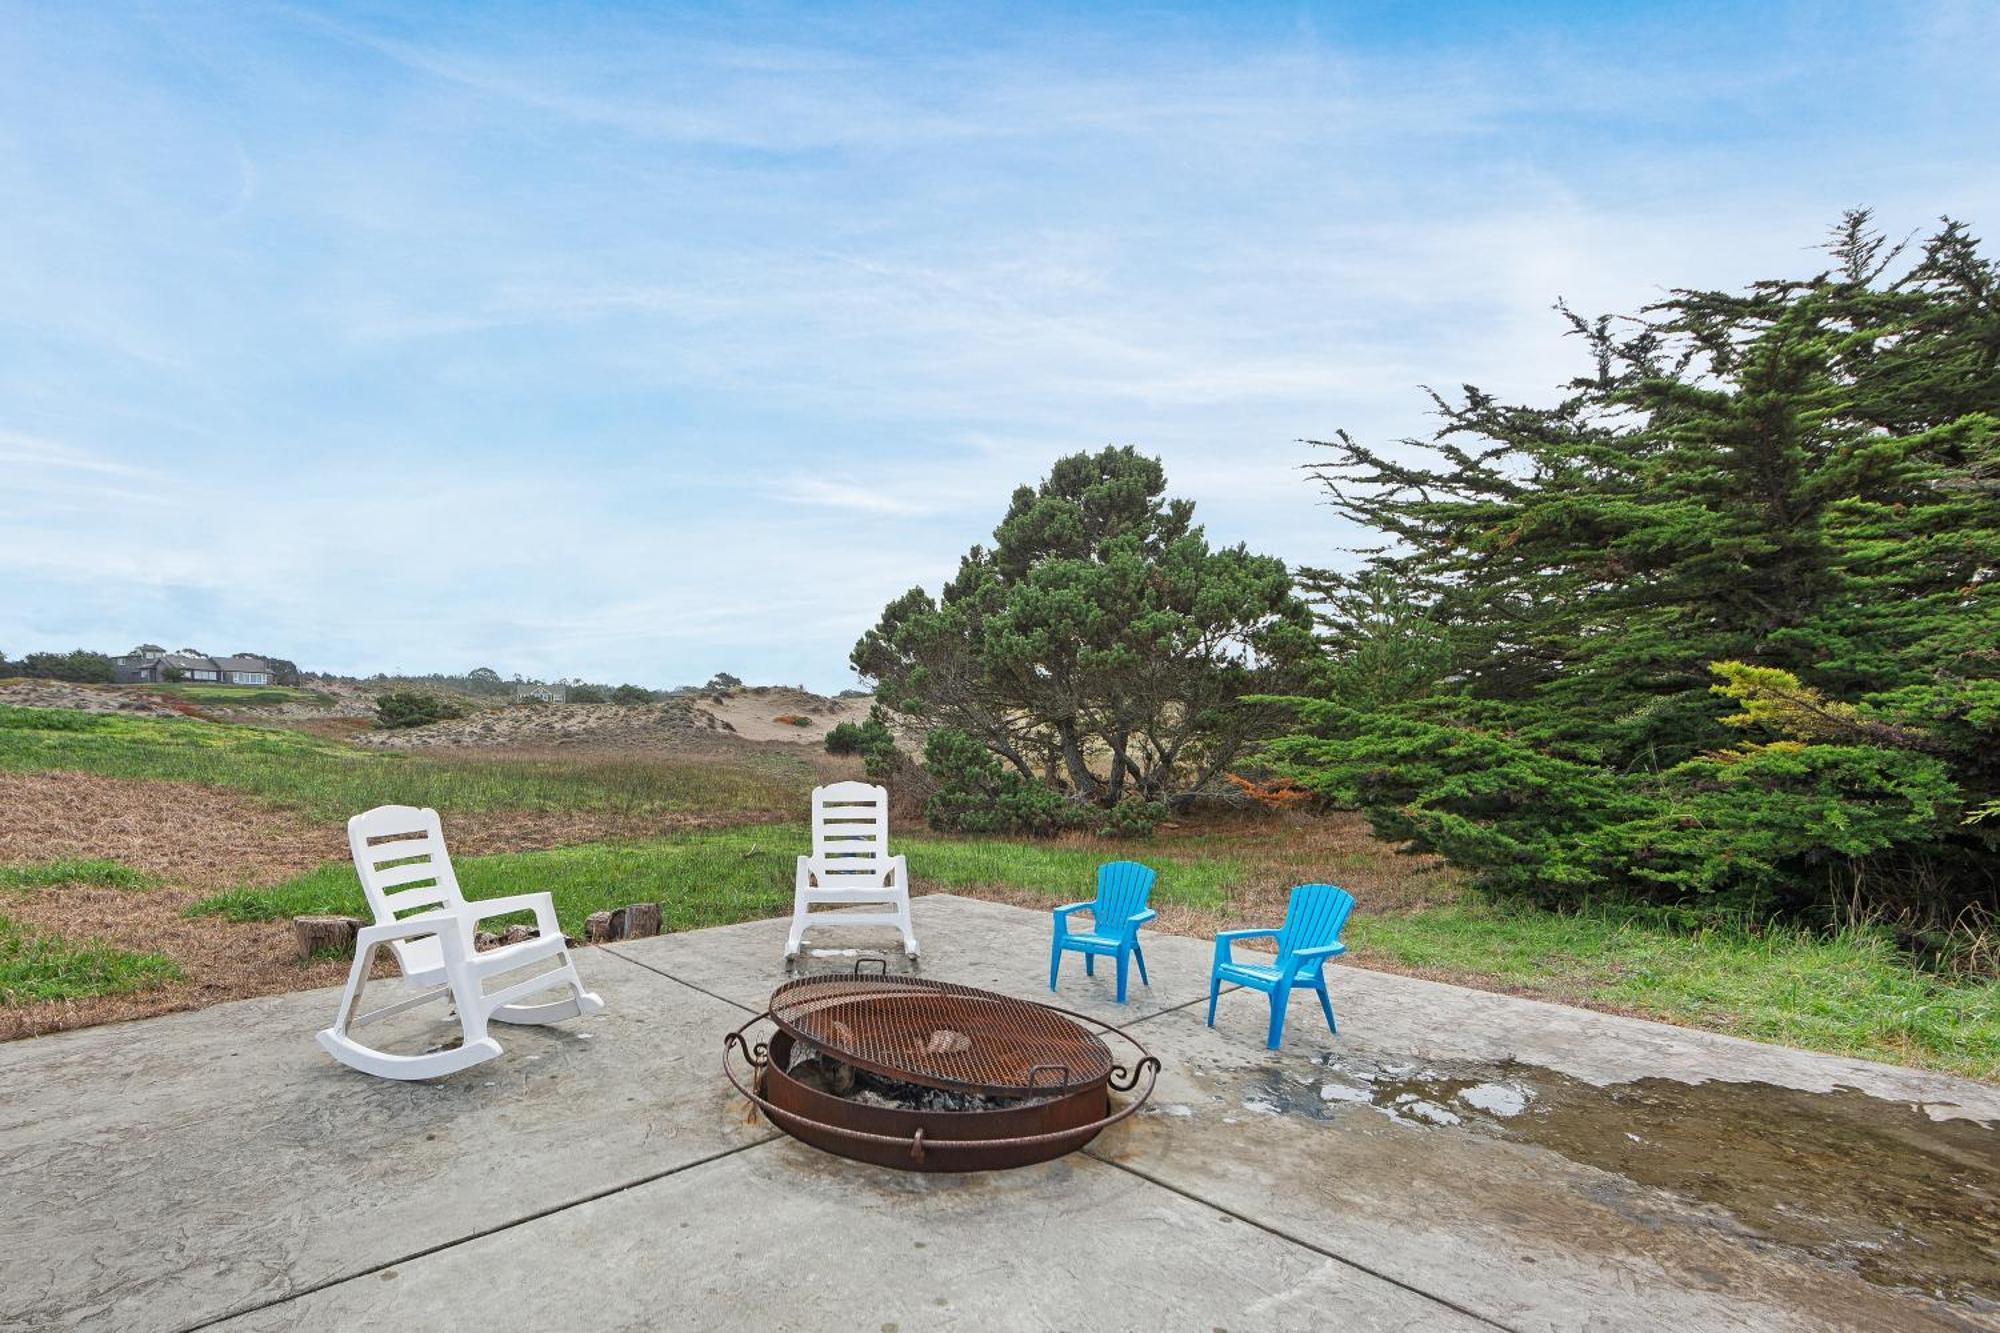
<point>928,1076</point>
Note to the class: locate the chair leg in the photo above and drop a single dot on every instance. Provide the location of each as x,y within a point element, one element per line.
<point>1124,959</point>
<point>1327,1005</point>
<point>1140,954</point>
<point>1281,999</point>
<point>1214,989</point>
<point>795,941</point>
<point>1090,965</point>
<point>1055,963</point>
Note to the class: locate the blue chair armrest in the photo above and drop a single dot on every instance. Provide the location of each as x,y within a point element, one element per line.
<point>1323,951</point>
<point>1141,918</point>
<point>1223,939</point>
<point>1062,917</point>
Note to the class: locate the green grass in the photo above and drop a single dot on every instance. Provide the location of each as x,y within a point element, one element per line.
<point>70,870</point>
<point>1063,873</point>
<point>1851,992</point>
<point>36,967</point>
<point>241,696</point>
<point>703,879</point>
<point>330,781</point>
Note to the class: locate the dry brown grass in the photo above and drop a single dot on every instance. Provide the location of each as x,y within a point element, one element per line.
<point>197,841</point>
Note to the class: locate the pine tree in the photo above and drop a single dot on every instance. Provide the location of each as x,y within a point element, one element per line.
<point>1803,479</point>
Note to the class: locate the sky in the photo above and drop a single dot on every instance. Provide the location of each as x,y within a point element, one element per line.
<point>640,342</point>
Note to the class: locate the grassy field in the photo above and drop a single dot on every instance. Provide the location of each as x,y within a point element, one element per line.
<point>1850,993</point>
<point>330,781</point>
<point>710,879</point>
<point>36,967</point>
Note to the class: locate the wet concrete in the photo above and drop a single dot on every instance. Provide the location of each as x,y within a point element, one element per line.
<point>1875,1187</point>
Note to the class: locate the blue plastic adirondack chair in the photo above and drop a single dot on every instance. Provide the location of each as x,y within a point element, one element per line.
<point>1116,916</point>
<point>1310,936</point>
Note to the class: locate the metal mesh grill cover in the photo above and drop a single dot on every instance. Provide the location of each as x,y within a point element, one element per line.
<point>941,1035</point>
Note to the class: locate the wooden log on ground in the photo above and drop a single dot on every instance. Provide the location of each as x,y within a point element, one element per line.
<point>323,935</point>
<point>597,928</point>
<point>642,920</point>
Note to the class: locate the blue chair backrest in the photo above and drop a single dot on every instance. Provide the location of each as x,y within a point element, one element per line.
<point>1314,917</point>
<point>1122,889</point>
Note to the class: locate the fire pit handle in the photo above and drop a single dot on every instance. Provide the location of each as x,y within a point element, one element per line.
<point>881,963</point>
<point>755,1056</point>
<point>1061,1083</point>
<point>1124,1080</point>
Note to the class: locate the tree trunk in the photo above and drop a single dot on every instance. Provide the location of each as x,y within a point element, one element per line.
<point>1119,764</point>
<point>1072,753</point>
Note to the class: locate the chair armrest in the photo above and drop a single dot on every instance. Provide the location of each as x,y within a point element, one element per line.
<point>544,908</point>
<point>1323,951</point>
<point>1136,920</point>
<point>1062,916</point>
<point>1224,938</point>
<point>444,925</point>
<point>899,870</point>
<point>803,877</point>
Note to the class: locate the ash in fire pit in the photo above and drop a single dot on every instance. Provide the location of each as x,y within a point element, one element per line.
<point>821,1072</point>
<point>929,1076</point>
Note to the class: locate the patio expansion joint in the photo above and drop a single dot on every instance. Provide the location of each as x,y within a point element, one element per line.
<point>256,1307</point>
<point>1300,1241</point>
<point>680,981</point>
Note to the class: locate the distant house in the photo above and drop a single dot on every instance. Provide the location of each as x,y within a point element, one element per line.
<point>190,666</point>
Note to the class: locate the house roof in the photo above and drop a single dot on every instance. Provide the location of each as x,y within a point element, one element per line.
<point>199,662</point>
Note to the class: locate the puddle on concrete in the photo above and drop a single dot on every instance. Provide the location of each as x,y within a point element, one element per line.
<point>1874,1186</point>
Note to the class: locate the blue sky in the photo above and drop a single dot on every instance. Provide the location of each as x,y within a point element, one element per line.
<point>636,342</point>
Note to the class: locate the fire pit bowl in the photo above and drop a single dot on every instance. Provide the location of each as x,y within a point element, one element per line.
<point>927,1076</point>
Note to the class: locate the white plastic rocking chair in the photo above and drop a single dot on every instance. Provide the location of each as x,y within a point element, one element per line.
<point>400,855</point>
<point>850,864</point>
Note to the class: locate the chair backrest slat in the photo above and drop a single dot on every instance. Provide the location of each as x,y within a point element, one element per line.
<point>401,860</point>
<point>1313,917</point>
<point>1122,890</point>
<point>850,829</point>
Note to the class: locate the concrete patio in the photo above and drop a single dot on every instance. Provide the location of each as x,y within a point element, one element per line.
<point>1440,1166</point>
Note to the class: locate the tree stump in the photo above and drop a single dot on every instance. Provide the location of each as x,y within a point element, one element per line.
<point>642,920</point>
<point>633,922</point>
<point>324,934</point>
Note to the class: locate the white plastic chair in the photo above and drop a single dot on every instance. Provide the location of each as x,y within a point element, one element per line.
<point>400,855</point>
<point>850,864</point>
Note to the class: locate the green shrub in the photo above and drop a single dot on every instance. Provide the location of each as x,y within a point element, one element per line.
<point>977,793</point>
<point>1130,819</point>
<point>414,708</point>
<point>631,694</point>
<point>587,694</point>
